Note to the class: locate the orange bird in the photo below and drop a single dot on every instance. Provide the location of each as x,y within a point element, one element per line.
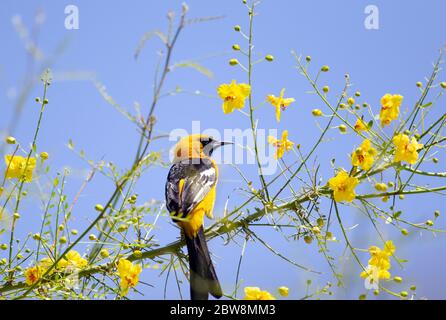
<point>190,195</point>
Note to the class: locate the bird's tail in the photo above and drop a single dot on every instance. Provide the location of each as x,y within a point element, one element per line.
<point>203,278</point>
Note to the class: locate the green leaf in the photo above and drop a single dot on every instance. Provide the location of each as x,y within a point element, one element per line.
<point>146,37</point>
<point>103,92</point>
<point>194,65</point>
<point>426,105</point>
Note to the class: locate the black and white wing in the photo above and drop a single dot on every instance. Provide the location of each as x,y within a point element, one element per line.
<point>199,179</point>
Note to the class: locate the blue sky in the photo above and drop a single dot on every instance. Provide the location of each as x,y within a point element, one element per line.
<point>390,59</point>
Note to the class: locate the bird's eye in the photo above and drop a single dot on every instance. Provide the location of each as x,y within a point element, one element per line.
<point>205,141</point>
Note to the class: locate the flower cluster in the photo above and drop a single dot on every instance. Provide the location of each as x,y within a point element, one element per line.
<point>71,262</point>
<point>364,156</point>
<point>378,266</point>
<point>390,109</point>
<point>129,274</point>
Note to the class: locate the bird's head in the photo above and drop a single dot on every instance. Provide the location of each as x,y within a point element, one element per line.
<point>196,146</point>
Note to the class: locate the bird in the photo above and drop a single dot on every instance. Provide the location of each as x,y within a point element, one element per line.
<point>190,195</point>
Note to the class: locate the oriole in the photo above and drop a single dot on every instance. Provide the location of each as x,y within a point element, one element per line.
<point>190,195</point>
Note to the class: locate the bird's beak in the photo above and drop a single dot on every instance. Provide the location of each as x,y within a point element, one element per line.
<point>223,143</point>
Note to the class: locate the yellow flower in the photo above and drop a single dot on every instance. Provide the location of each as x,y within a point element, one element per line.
<point>17,167</point>
<point>279,102</point>
<point>390,109</point>
<point>379,262</point>
<point>364,156</point>
<point>361,126</point>
<point>254,293</point>
<point>281,145</point>
<point>45,263</point>
<point>32,275</point>
<point>72,260</point>
<point>283,291</point>
<point>129,274</point>
<point>343,187</point>
<point>406,149</point>
<point>389,247</point>
<point>233,95</point>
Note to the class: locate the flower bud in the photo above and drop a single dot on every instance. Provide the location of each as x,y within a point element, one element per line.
<point>61,227</point>
<point>316,112</point>
<point>38,100</point>
<point>269,58</point>
<point>10,140</point>
<point>342,128</point>
<point>320,222</point>
<point>3,246</point>
<point>74,232</point>
<point>283,291</point>
<point>92,237</point>
<point>357,93</point>
<point>342,106</point>
<point>381,187</point>
<point>325,68</point>
<point>435,160</point>
<point>237,28</point>
<point>122,228</point>
<point>16,215</point>
<point>437,213</point>
<point>404,294</point>
<point>104,253</point>
<point>137,253</point>
<point>351,101</point>
<point>398,279</point>
<point>316,230</point>
<point>404,232</point>
<point>362,297</point>
<point>443,85</point>
<point>36,236</point>
<point>326,89</point>
<point>308,58</point>
<point>99,207</point>
<point>44,155</point>
<point>233,62</point>
<point>419,84</point>
<point>376,292</point>
<point>63,240</point>
<point>429,223</point>
<point>308,239</point>
<point>235,47</point>
<point>45,101</point>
